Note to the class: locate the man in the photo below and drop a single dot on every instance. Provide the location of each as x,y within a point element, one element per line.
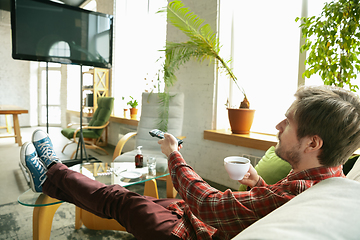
<point>320,131</point>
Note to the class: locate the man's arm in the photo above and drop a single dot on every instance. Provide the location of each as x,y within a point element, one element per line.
<point>227,211</point>
<point>169,145</point>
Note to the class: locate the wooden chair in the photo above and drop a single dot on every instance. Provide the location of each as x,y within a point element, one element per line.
<point>93,130</point>
<point>148,120</point>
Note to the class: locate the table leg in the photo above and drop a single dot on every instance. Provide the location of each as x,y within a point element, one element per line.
<point>78,218</point>
<point>17,129</point>
<point>7,121</point>
<point>150,189</point>
<point>43,217</point>
<point>170,190</point>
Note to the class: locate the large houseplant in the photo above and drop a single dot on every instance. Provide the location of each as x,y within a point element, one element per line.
<point>202,44</point>
<point>335,47</point>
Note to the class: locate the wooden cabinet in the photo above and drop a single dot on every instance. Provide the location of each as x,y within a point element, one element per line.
<point>98,88</point>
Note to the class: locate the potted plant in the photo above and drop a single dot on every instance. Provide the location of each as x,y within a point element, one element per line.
<point>202,44</point>
<point>336,46</point>
<point>133,110</point>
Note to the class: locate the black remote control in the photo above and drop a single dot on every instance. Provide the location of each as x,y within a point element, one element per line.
<point>160,134</point>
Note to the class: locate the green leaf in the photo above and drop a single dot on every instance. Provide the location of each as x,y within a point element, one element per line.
<point>336,45</point>
<point>203,44</point>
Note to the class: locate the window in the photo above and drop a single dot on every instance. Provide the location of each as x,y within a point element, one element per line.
<point>314,9</point>
<point>60,49</point>
<point>52,95</point>
<point>264,48</point>
<point>139,35</point>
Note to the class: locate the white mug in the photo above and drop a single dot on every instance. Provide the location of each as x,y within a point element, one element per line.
<point>236,167</point>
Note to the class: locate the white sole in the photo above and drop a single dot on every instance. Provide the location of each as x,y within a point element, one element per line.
<point>25,169</point>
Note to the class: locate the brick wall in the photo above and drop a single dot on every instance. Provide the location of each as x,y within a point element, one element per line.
<point>197,81</point>
<point>14,74</point>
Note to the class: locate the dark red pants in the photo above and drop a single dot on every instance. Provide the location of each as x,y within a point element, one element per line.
<point>144,217</point>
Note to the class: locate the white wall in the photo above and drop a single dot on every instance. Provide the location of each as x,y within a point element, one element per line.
<point>14,74</point>
<point>19,79</point>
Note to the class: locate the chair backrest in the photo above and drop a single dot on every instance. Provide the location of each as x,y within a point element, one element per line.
<point>150,117</point>
<point>102,113</point>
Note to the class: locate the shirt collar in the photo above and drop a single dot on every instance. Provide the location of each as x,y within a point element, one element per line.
<point>318,173</point>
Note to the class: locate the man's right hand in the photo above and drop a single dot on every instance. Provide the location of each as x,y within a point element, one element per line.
<point>169,144</point>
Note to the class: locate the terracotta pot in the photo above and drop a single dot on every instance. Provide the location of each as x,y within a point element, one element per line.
<point>241,120</point>
<point>133,113</point>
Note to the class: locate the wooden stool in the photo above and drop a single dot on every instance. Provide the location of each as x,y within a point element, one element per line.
<point>7,122</point>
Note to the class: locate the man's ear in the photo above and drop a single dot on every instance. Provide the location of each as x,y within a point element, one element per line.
<point>315,143</point>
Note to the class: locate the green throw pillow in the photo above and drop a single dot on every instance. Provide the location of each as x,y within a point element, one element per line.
<point>271,168</point>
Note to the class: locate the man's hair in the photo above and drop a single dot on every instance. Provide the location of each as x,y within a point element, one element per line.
<point>333,114</point>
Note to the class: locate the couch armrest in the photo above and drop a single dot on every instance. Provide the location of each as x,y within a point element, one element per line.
<point>328,210</point>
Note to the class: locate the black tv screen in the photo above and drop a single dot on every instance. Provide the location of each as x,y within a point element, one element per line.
<point>52,32</point>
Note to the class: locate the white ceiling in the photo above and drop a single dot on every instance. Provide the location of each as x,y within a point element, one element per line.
<point>6,4</point>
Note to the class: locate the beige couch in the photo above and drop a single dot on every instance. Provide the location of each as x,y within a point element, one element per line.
<point>328,210</point>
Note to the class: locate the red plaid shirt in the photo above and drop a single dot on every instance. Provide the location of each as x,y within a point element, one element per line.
<point>208,213</point>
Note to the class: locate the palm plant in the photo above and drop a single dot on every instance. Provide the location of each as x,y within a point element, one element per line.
<point>202,44</point>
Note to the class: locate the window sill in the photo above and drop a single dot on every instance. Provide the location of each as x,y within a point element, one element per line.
<point>253,140</point>
<point>128,121</point>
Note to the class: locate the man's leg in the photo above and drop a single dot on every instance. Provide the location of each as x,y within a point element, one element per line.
<point>144,217</point>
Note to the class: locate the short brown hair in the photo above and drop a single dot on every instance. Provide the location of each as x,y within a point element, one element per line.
<point>333,114</point>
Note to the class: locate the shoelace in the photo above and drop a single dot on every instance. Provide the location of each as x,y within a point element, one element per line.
<point>36,162</point>
<point>46,150</point>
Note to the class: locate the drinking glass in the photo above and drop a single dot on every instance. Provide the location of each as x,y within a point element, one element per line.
<point>151,163</point>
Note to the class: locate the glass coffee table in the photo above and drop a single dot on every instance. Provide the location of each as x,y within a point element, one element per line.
<point>122,173</point>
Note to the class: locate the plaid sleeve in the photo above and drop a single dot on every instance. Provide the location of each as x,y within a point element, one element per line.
<point>228,211</point>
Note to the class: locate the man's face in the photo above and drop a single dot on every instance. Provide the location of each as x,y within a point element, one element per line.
<point>288,147</point>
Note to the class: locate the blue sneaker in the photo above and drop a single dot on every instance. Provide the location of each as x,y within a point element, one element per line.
<point>33,166</point>
<point>44,147</point>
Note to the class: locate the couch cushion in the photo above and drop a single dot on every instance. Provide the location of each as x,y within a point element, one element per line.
<point>69,133</point>
<point>271,168</point>
<point>150,118</point>
<point>148,121</point>
<point>102,113</point>
<point>328,210</point>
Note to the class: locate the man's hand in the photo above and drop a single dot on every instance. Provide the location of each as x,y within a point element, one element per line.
<point>251,177</point>
<point>169,144</point>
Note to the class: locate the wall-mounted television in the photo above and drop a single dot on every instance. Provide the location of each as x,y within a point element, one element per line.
<point>47,31</point>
